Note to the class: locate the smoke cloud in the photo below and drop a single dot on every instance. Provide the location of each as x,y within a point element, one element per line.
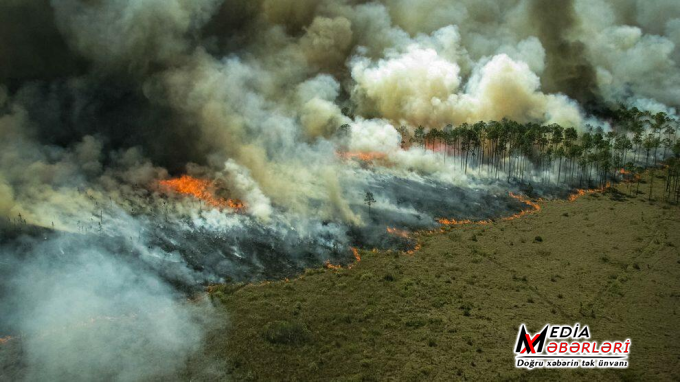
<point>567,70</point>
<point>276,104</point>
<point>90,316</point>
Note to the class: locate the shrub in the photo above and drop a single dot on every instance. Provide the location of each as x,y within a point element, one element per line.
<point>415,323</point>
<point>438,302</point>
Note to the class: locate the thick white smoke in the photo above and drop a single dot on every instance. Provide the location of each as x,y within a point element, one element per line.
<point>305,69</point>
<point>89,316</point>
<point>247,189</point>
<point>131,34</point>
<point>420,87</point>
<point>272,98</point>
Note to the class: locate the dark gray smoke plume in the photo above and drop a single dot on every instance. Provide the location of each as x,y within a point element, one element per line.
<point>567,69</point>
<point>290,110</point>
<point>32,47</point>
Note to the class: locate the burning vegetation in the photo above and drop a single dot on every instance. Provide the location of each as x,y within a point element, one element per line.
<point>357,258</point>
<point>316,134</point>
<point>580,192</point>
<point>201,189</point>
<point>398,232</point>
<point>534,207</point>
<point>362,156</point>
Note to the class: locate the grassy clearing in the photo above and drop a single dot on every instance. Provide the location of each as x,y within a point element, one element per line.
<point>452,310</point>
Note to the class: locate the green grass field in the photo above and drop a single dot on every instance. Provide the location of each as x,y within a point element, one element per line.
<point>452,309</point>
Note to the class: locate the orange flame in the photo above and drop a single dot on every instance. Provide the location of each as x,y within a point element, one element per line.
<point>200,189</point>
<point>363,156</point>
<point>398,232</point>
<point>328,265</point>
<point>415,249</point>
<point>456,222</point>
<point>535,207</point>
<point>355,252</point>
<point>581,192</point>
<point>357,257</point>
<point>577,195</point>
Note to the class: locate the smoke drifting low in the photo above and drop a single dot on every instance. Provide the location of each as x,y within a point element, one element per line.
<point>82,313</point>
<point>277,104</point>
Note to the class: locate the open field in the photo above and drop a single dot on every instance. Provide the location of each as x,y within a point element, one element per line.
<point>452,309</point>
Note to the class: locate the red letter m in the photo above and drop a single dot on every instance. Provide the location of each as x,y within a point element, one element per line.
<point>534,345</point>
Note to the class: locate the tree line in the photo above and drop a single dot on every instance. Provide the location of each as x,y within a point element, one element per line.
<point>531,152</point>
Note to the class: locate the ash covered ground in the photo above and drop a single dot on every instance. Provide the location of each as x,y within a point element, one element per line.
<point>266,105</point>
<point>213,245</point>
